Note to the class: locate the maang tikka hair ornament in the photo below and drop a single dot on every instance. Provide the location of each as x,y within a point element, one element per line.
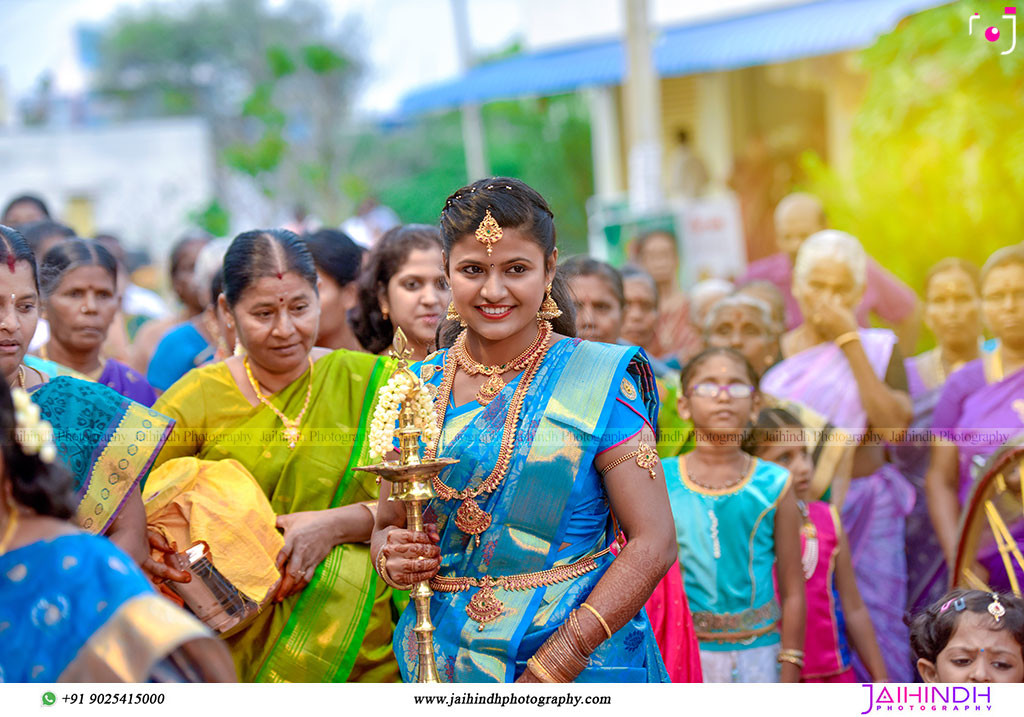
<point>489,232</point>
<point>995,608</point>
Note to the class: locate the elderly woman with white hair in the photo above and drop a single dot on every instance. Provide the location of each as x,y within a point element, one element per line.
<point>855,377</point>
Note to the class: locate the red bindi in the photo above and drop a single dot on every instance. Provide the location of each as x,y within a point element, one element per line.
<point>10,262</point>
<point>279,275</point>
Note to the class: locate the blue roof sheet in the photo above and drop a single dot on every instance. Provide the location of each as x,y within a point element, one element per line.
<point>765,37</point>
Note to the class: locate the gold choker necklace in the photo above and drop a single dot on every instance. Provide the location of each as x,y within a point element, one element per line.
<point>494,385</point>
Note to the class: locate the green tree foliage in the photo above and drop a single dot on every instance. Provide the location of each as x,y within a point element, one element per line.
<point>938,144</point>
<point>275,85</point>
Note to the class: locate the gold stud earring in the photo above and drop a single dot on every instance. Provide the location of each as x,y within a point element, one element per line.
<point>453,315</point>
<point>549,308</point>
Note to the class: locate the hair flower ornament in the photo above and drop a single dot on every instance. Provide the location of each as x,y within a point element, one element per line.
<point>33,433</point>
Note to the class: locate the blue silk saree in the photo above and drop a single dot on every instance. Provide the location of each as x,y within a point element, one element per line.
<point>551,509</point>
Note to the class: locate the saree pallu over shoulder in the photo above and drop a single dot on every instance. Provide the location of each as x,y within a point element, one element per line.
<point>550,482</point>
<point>108,443</point>
<point>75,609</point>
<point>339,627</point>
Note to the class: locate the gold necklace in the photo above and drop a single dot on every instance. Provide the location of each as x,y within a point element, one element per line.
<point>291,431</point>
<point>470,518</point>
<point>12,525</point>
<point>494,385</point>
<point>727,486</point>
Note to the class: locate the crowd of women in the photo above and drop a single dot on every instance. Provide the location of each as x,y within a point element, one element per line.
<point>737,483</point>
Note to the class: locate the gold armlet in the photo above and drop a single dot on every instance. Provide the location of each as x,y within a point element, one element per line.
<point>646,457</point>
<point>607,630</point>
<point>846,338</point>
<point>382,570</point>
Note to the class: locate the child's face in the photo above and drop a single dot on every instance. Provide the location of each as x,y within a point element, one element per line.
<point>976,653</point>
<point>709,398</point>
<point>790,453</point>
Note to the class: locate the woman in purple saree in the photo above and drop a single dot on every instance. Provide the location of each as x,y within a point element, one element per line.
<point>855,377</point>
<point>982,404</point>
<point>78,280</point>
<point>952,312</point>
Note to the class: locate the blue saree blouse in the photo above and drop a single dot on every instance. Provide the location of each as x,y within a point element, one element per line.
<point>551,509</point>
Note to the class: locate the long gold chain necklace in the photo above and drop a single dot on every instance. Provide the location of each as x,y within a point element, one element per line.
<point>470,518</point>
<point>291,431</point>
<point>494,384</point>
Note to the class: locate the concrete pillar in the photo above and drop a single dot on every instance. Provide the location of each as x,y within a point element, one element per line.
<point>472,121</point>
<point>604,141</point>
<point>714,129</point>
<point>642,110</point>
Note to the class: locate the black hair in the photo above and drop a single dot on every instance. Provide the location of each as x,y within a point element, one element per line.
<point>178,250</point>
<point>45,488</point>
<point>583,265</point>
<point>643,239</point>
<point>514,205</point>
<point>70,255</point>
<point>769,422</point>
<point>27,199</point>
<point>932,628</point>
<point>216,286</point>
<point>1013,254</point>
<point>264,252</point>
<point>14,248</point>
<point>632,271</point>
<point>375,333</point>
<point>954,262</point>
<point>693,364</point>
<point>36,232</point>
<point>336,254</point>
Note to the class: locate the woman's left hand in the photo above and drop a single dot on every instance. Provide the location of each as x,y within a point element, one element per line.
<point>308,538</point>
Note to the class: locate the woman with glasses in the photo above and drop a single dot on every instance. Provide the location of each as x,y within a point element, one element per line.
<point>736,518</point>
<point>856,379</point>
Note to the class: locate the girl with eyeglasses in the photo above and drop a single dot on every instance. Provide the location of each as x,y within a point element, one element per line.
<point>736,520</point>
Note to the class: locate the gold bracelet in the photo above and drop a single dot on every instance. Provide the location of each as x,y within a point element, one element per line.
<point>382,570</point>
<point>791,651</point>
<point>793,659</point>
<point>574,623</point>
<point>846,338</point>
<point>607,630</point>
<point>537,669</point>
<point>646,458</point>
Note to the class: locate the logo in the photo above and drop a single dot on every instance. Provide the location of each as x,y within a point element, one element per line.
<point>928,698</point>
<point>992,34</point>
<point>49,698</point>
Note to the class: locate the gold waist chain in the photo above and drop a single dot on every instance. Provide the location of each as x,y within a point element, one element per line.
<point>485,607</point>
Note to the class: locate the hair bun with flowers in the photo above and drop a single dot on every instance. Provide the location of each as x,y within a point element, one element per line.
<point>33,433</point>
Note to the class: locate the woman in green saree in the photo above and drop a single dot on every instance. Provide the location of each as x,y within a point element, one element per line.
<point>291,414</point>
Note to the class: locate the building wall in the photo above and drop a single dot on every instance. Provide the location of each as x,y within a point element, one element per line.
<point>138,180</point>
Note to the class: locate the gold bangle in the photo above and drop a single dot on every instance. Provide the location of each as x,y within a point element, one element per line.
<point>536,668</point>
<point>574,623</point>
<point>607,630</point>
<point>792,659</point>
<point>843,339</point>
<point>382,570</point>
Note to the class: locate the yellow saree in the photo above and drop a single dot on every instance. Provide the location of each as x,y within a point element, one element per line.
<point>339,627</point>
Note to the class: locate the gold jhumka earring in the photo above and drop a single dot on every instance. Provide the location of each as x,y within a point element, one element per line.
<point>549,308</point>
<point>453,315</point>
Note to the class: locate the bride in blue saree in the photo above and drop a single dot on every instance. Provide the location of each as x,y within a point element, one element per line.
<point>556,448</point>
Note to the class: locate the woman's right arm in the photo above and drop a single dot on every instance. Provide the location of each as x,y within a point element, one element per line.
<point>940,485</point>
<point>410,557</point>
